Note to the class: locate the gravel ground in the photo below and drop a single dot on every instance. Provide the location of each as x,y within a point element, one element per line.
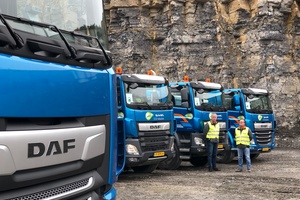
<point>275,175</point>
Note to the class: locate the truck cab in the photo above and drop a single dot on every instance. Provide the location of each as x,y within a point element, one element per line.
<point>253,105</point>
<point>194,102</point>
<point>58,109</point>
<point>145,115</point>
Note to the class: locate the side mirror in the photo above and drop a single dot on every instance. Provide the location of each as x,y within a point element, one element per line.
<point>236,100</point>
<point>173,99</point>
<point>185,104</point>
<point>237,108</point>
<point>184,95</point>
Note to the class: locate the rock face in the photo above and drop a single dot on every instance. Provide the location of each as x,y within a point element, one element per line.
<point>238,43</point>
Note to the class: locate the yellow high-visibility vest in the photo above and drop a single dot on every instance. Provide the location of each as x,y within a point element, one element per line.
<point>242,137</point>
<point>213,131</point>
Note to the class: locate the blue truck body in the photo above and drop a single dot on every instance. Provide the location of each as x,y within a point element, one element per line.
<point>254,106</point>
<point>58,112</point>
<point>194,102</point>
<point>145,116</point>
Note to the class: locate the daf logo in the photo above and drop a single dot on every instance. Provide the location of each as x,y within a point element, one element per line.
<point>155,126</point>
<point>40,149</point>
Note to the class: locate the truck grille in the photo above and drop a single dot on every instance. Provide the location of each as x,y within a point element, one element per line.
<point>263,138</point>
<point>154,140</point>
<point>59,191</point>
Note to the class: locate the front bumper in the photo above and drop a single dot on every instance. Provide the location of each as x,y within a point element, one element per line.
<point>223,146</point>
<point>83,186</point>
<point>148,157</point>
<point>201,150</point>
<point>259,149</point>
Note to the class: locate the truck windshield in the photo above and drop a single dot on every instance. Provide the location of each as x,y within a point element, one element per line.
<point>257,103</point>
<point>147,96</point>
<point>208,100</point>
<point>84,16</point>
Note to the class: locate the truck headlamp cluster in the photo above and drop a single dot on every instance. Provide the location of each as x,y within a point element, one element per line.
<point>199,141</point>
<point>132,150</point>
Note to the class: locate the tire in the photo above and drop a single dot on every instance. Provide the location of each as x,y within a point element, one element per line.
<point>198,161</point>
<point>145,168</point>
<point>254,156</point>
<point>172,164</point>
<point>225,156</point>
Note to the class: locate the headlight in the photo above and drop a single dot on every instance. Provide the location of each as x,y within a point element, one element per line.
<point>198,141</point>
<point>222,125</point>
<point>252,142</point>
<point>131,149</point>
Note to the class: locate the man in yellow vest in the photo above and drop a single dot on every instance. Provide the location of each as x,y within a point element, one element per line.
<point>211,131</point>
<point>243,136</point>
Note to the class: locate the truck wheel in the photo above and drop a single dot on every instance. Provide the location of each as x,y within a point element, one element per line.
<point>145,169</point>
<point>254,156</point>
<point>172,164</point>
<point>225,156</point>
<point>198,161</point>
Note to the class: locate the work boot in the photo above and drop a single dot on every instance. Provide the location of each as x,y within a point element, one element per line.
<point>210,170</point>
<point>239,170</point>
<point>216,169</point>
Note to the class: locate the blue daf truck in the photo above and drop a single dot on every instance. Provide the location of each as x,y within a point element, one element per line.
<point>145,116</point>
<point>194,102</point>
<point>253,105</point>
<point>58,108</point>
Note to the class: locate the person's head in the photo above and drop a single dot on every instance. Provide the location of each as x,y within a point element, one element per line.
<point>242,123</point>
<point>213,118</point>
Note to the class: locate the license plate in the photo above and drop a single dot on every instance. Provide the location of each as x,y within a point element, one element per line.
<point>265,149</point>
<point>220,146</point>
<point>158,154</point>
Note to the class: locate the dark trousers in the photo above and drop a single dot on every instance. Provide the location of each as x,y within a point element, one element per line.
<point>212,148</point>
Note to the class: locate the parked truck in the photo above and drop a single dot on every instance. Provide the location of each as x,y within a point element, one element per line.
<point>253,105</point>
<point>58,108</point>
<point>145,115</point>
<point>194,102</point>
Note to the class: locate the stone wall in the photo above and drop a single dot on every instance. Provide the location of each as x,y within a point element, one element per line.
<point>237,43</point>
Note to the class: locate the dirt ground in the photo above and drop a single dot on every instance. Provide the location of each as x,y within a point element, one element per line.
<point>275,175</point>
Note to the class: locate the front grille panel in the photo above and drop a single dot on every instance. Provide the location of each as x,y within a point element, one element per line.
<point>263,138</point>
<point>153,133</point>
<point>54,191</point>
<point>157,139</point>
<point>154,140</point>
<point>185,140</point>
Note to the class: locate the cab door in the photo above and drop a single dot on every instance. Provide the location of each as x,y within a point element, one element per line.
<point>182,108</point>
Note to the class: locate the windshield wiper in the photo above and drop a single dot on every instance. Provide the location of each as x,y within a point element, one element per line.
<point>254,110</point>
<point>267,111</point>
<point>108,60</point>
<point>71,49</point>
<point>15,36</point>
<point>139,104</point>
<point>221,108</point>
<point>163,106</point>
<point>26,21</point>
<point>205,107</point>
